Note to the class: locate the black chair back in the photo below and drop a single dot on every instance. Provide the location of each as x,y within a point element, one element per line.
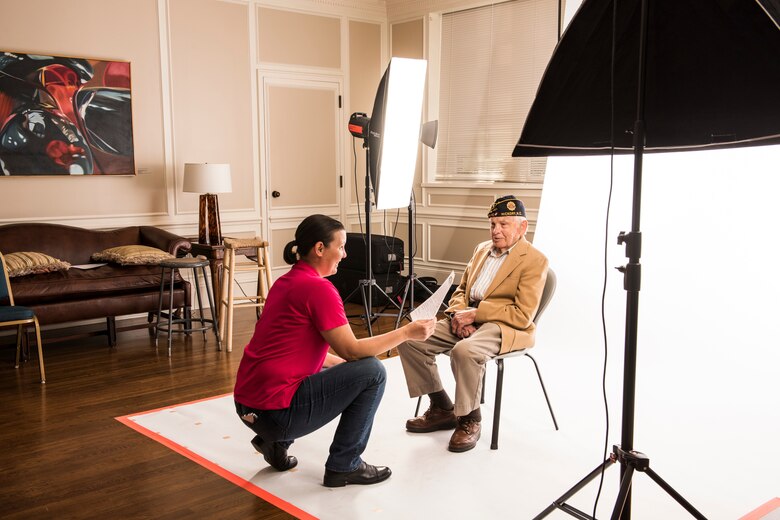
<point>6,298</point>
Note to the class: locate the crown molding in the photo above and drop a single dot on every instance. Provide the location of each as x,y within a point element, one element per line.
<point>370,9</point>
<point>401,10</point>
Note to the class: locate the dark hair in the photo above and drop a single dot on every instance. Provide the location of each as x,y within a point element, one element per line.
<point>313,229</point>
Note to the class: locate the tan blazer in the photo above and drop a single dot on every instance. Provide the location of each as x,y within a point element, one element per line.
<point>512,299</point>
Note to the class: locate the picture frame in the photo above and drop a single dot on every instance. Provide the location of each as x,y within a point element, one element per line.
<point>65,116</point>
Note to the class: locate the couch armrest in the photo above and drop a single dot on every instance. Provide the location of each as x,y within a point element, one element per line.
<point>165,240</point>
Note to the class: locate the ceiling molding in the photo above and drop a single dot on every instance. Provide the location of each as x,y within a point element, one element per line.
<point>401,10</point>
<point>371,9</point>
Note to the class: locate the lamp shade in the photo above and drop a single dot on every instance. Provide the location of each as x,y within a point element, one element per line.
<point>207,178</point>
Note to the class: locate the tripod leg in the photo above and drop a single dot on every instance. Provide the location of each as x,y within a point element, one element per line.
<point>423,286</point>
<point>369,311</point>
<point>384,295</point>
<point>674,494</point>
<point>350,295</point>
<point>403,303</point>
<point>560,503</point>
<point>625,489</point>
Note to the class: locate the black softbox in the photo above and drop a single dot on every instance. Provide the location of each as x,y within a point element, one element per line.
<point>712,79</point>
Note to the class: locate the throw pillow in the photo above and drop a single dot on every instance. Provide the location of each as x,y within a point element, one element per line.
<point>24,263</point>
<point>132,255</point>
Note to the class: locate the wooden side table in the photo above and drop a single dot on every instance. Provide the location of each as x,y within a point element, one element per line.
<point>215,254</point>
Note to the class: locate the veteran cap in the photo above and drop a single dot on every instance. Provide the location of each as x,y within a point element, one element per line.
<point>507,206</point>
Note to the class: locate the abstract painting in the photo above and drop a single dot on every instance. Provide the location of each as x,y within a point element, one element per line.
<point>64,116</point>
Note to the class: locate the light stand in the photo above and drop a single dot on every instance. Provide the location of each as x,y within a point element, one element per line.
<point>411,278</point>
<point>624,454</point>
<point>366,285</point>
<point>390,138</point>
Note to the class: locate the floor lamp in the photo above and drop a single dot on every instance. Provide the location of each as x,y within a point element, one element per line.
<point>208,179</point>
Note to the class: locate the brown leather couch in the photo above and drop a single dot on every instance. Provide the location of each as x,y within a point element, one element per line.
<point>104,292</point>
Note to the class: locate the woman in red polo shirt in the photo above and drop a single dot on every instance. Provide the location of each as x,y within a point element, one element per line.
<point>282,392</point>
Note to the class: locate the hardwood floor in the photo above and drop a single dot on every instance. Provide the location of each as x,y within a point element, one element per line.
<point>64,454</point>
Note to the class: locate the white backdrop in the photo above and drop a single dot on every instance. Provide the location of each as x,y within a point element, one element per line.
<point>708,397</point>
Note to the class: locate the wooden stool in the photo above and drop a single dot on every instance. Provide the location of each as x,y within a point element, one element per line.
<point>227,302</point>
<point>205,323</point>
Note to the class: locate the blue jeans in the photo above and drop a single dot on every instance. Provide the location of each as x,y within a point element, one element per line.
<point>352,390</point>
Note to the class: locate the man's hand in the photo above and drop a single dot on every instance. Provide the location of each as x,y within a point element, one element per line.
<point>462,323</point>
<point>467,331</point>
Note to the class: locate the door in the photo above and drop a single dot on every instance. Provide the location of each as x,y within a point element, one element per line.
<point>302,158</point>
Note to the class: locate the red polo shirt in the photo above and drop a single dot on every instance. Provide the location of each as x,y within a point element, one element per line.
<point>287,346</point>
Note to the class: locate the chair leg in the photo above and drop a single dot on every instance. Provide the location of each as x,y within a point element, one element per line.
<point>159,308</point>
<point>40,350</point>
<point>19,331</point>
<point>170,313</point>
<point>186,313</point>
<point>223,294</point>
<point>549,406</point>
<point>497,411</point>
<point>201,319</point>
<point>260,290</point>
<point>484,380</point>
<point>228,337</point>
<point>212,309</point>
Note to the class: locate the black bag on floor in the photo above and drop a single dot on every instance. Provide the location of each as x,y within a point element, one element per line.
<point>387,254</point>
<point>347,280</point>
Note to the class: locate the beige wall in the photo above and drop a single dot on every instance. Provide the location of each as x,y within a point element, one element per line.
<point>211,93</point>
<point>298,39</point>
<point>87,28</point>
<point>191,97</point>
<point>365,71</point>
<point>198,68</point>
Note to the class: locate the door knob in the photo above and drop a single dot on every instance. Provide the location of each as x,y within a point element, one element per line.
<point>275,194</point>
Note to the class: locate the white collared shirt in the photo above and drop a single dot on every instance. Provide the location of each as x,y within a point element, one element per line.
<point>490,267</point>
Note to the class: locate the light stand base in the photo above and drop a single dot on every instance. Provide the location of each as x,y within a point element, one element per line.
<point>365,287</point>
<point>630,462</point>
<point>411,280</point>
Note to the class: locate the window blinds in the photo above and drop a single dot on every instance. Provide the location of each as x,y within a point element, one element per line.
<point>492,59</point>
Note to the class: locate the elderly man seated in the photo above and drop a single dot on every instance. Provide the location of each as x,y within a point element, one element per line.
<point>490,313</point>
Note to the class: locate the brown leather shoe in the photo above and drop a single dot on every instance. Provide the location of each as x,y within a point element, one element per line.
<point>466,435</point>
<point>432,420</point>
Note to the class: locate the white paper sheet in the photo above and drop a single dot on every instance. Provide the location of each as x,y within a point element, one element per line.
<point>430,307</point>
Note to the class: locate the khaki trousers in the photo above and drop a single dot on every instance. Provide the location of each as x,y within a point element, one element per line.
<point>467,360</point>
